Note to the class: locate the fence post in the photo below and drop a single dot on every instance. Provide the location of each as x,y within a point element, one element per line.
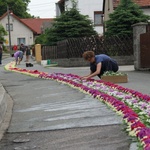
<point>138,29</point>
<point>38,56</point>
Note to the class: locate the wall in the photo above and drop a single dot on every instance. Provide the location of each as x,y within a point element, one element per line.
<point>108,9</point>
<point>146,11</point>
<point>79,62</point>
<point>19,31</point>
<point>138,29</point>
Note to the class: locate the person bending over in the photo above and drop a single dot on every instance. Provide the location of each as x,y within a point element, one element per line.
<point>99,64</point>
<point>18,57</point>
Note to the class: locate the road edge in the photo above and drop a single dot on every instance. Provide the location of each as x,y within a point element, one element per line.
<point>6,106</point>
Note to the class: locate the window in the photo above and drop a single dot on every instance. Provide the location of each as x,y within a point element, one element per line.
<point>11,27</point>
<point>21,40</point>
<point>98,18</point>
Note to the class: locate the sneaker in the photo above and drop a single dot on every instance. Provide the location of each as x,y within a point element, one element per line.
<point>27,65</point>
<point>30,65</point>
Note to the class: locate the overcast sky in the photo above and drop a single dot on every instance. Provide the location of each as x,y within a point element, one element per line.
<point>42,8</point>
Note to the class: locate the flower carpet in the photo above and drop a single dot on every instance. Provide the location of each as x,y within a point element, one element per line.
<point>133,106</point>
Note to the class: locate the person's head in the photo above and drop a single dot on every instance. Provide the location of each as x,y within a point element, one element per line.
<point>89,56</point>
<point>22,44</point>
<point>12,55</point>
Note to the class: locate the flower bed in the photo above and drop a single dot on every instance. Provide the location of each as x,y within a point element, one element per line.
<point>133,106</point>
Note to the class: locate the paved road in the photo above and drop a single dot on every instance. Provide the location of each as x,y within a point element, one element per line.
<point>63,118</point>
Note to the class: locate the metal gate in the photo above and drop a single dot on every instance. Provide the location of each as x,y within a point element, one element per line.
<point>145,50</point>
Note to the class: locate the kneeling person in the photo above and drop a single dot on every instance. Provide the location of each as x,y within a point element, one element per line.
<point>18,57</point>
<point>99,64</point>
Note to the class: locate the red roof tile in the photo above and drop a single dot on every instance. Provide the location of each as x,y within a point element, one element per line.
<point>142,3</point>
<point>36,24</point>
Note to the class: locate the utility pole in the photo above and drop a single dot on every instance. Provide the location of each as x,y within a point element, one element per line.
<point>8,15</point>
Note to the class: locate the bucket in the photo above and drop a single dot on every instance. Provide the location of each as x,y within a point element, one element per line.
<point>44,62</point>
<point>48,62</point>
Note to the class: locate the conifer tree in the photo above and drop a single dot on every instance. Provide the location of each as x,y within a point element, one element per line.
<point>70,24</point>
<point>124,16</point>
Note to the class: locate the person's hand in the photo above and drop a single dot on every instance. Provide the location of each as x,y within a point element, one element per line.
<point>84,78</point>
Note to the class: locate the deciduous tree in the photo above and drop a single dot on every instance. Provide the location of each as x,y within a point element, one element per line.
<point>18,7</point>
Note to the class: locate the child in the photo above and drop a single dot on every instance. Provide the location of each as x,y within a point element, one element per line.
<point>18,57</point>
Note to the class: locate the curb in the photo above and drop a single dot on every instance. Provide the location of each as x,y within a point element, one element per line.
<point>3,104</point>
<point>6,105</point>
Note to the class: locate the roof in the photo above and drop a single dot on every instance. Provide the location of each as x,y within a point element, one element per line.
<point>32,23</point>
<point>36,23</point>
<point>141,3</point>
<point>5,14</point>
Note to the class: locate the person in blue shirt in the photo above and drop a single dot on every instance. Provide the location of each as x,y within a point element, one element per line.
<point>99,64</point>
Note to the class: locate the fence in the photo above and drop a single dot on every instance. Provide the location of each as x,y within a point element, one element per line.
<point>74,47</point>
<point>49,52</point>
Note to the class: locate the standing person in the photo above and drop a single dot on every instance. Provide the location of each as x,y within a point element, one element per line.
<point>28,53</point>
<point>18,57</point>
<point>22,48</point>
<point>33,51</point>
<point>1,52</point>
<point>99,64</point>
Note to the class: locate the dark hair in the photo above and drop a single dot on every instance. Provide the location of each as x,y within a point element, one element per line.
<point>12,55</point>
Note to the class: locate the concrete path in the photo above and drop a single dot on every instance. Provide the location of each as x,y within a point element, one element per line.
<point>48,105</point>
<point>44,105</point>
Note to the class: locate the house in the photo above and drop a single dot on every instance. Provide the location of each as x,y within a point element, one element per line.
<point>22,30</point>
<point>38,24</point>
<point>92,8</point>
<point>110,5</point>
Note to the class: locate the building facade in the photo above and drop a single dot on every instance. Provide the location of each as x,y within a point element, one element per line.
<point>23,30</point>
<point>110,5</point>
<point>92,8</point>
<point>19,32</point>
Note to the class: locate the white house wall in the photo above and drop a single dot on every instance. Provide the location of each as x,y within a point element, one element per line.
<point>87,7</point>
<point>146,11</point>
<point>19,31</point>
<point>108,9</point>
<point>99,30</point>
